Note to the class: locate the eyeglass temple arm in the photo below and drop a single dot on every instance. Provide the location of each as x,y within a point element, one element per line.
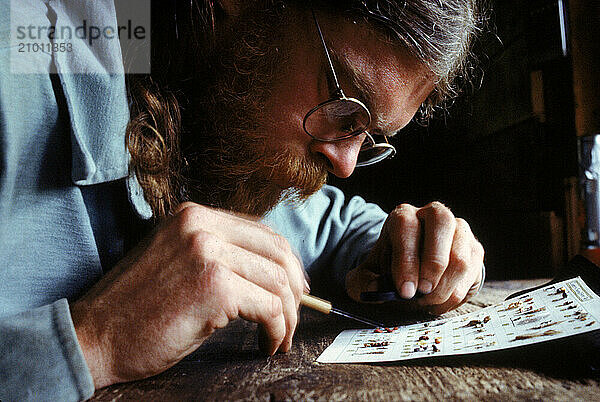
<point>338,89</point>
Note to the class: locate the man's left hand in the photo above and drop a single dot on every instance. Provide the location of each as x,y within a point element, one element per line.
<point>424,250</point>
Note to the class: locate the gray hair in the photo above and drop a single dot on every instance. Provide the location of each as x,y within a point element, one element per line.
<point>438,33</point>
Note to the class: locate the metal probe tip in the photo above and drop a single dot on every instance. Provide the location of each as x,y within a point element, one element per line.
<point>357,318</point>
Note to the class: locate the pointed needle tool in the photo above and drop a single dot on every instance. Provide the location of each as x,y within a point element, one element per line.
<point>325,307</point>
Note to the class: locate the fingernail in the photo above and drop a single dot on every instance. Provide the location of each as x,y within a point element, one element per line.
<point>306,286</point>
<point>285,346</point>
<point>407,291</point>
<point>425,286</point>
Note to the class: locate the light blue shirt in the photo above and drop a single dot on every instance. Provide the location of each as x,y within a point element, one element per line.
<point>59,134</point>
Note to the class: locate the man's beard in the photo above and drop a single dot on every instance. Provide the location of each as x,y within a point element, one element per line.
<point>230,162</point>
<point>246,176</point>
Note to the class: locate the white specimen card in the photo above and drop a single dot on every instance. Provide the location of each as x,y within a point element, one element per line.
<point>554,311</point>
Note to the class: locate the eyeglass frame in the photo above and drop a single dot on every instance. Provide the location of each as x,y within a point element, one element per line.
<point>338,95</point>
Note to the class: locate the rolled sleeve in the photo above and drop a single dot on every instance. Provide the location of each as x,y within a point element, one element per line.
<point>40,357</point>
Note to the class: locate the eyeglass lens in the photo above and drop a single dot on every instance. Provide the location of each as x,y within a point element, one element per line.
<point>372,153</point>
<point>337,119</point>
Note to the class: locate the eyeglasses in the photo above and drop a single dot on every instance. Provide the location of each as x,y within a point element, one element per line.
<point>340,118</point>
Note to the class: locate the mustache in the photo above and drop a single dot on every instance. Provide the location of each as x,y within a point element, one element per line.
<point>303,175</point>
<point>247,175</point>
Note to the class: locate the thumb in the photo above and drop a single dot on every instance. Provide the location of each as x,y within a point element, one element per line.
<point>365,277</point>
<point>360,280</point>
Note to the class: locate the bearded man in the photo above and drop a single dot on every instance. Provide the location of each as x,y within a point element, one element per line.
<point>249,107</point>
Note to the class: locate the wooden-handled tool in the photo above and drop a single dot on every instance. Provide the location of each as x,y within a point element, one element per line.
<point>325,307</point>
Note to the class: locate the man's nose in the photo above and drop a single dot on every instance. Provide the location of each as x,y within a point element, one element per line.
<point>342,155</point>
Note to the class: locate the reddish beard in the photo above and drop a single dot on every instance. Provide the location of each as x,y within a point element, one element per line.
<point>247,176</point>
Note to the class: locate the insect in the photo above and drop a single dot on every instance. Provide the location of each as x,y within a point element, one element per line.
<point>579,315</point>
<point>535,335</point>
<point>421,348</point>
<point>513,305</point>
<point>376,344</point>
<point>528,319</point>
<point>546,324</point>
<point>473,323</point>
<point>528,311</point>
<point>560,291</point>
<point>564,296</point>
<point>384,330</point>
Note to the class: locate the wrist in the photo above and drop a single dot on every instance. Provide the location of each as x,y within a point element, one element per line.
<point>89,341</point>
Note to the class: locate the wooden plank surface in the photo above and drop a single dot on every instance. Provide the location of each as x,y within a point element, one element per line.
<point>229,367</point>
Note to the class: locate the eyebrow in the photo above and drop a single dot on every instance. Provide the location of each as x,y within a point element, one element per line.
<point>364,89</point>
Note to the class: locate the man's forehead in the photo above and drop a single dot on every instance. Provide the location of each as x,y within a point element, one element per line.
<point>391,82</point>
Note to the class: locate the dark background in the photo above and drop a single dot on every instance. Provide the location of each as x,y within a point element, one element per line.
<point>495,158</point>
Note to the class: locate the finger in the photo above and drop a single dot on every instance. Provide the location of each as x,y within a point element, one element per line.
<point>265,308</point>
<point>255,269</point>
<point>477,254</point>
<point>456,299</point>
<point>252,236</point>
<point>463,269</point>
<point>404,231</point>
<point>379,258</point>
<point>183,206</point>
<point>439,226</point>
<point>229,226</point>
<point>189,204</point>
<point>359,280</point>
<point>365,277</point>
<point>274,279</point>
<point>450,304</point>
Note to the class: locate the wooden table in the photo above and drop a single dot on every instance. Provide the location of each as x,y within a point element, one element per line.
<point>229,367</point>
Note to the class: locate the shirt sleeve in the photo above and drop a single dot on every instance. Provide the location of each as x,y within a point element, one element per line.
<point>40,357</point>
<point>330,234</point>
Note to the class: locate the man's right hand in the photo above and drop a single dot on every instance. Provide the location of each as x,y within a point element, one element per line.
<point>201,269</point>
